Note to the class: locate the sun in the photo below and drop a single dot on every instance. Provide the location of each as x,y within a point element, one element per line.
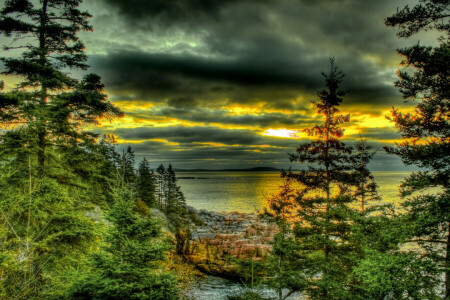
<point>282,132</point>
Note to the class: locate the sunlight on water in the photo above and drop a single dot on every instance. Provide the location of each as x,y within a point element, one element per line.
<point>248,191</point>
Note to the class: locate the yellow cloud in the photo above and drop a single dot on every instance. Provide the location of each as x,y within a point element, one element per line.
<point>211,144</point>
<point>244,110</point>
<point>372,121</point>
<point>134,105</point>
<point>124,141</point>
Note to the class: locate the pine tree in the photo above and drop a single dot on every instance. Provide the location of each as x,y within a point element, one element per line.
<point>170,196</point>
<point>107,177</point>
<point>161,186</point>
<point>295,260</point>
<point>285,266</point>
<point>49,106</point>
<point>176,203</point>
<point>324,198</point>
<point>170,199</point>
<point>145,184</point>
<point>46,162</point>
<point>366,188</point>
<point>127,265</point>
<point>426,133</point>
<point>176,211</point>
<point>127,167</point>
<point>45,231</point>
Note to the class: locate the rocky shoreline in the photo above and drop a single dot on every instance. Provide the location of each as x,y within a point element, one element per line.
<point>226,236</point>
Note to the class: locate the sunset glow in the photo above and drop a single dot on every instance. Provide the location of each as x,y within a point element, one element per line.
<point>283,133</point>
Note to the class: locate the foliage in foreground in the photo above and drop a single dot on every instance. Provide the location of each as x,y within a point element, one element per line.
<point>129,264</point>
<point>247,295</point>
<point>426,137</point>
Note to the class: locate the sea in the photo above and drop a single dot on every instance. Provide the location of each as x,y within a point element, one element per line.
<point>248,191</point>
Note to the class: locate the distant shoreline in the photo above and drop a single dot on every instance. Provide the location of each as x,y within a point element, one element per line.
<point>257,169</point>
<point>270,169</point>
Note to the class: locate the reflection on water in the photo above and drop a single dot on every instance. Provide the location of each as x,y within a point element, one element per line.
<point>247,191</point>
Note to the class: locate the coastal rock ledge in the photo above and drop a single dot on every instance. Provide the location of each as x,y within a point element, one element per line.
<point>226,236</point>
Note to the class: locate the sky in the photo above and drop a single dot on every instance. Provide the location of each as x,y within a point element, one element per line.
<point>229,84</point>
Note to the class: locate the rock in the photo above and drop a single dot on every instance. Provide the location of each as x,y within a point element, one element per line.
<point>230,269</point>
<point>251,231</point>
<point>196,259</point>
<point>240,235</point>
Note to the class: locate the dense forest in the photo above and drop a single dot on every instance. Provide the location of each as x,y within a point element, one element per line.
<point>81,220</point>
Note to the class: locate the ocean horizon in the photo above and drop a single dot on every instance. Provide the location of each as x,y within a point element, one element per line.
<point>248,191</point>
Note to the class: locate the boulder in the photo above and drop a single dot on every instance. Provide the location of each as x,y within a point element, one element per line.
<point>240,235</point>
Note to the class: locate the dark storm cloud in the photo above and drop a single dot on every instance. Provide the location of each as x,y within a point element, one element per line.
<point>182,102</point>
<point>161,71</point>
<point>181,134</point>
<point>249,50</point>
<point>233,21</point>
<point>184,111</point>
<point>170,11</point>
<point>246,79</point>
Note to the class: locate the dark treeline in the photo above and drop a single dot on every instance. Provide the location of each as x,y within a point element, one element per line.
<point>80,220</point>
<point>156,189</point>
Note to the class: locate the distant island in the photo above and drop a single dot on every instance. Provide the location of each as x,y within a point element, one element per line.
<point>256,169</point>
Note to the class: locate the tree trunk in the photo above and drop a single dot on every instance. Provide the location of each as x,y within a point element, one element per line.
<point>447,264</point>
<point>327,174</point>
<point>42,121</point>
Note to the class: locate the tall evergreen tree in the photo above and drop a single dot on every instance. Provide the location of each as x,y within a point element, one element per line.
<point>107,177</point>
<point>176,211</point>
<point>170,195</point>
<point>145,184</point>
<point>127,167</point>
<point>324,198</point>
<point>366,188</point>
<point>50,105</point>
<point>48,155</point>
<point>426,132</point>
<point>176,203</point>
<point>161,186</point>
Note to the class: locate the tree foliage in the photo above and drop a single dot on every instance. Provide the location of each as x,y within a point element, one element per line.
<point>48,104</point>
<point>145,184</point>
<point>426,140</point>
<point>44,231</point>
<point>322,210</point>
<point>323,197</point>
<point>48,164</point>
<point>126,267</point>
<point>366,188</point>
<point>285,267</point>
